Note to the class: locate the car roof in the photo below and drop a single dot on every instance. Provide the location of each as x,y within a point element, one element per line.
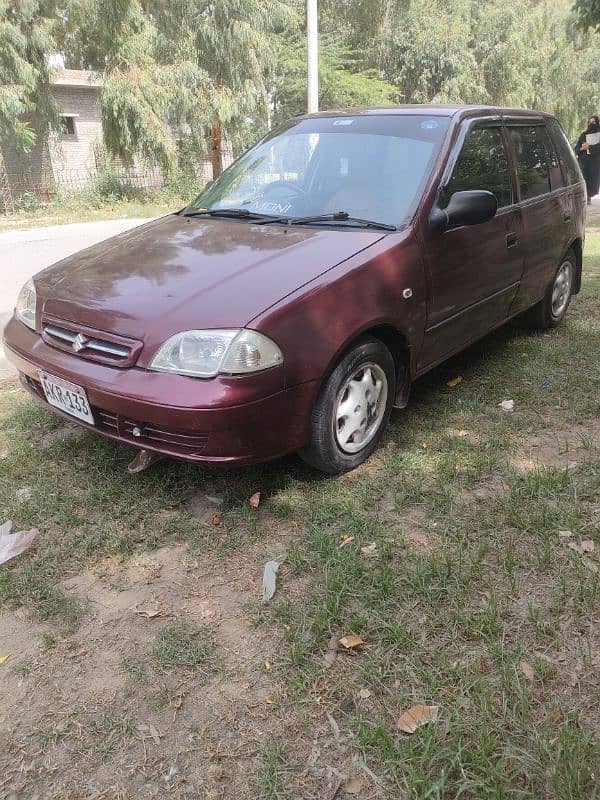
<point>433,109</point>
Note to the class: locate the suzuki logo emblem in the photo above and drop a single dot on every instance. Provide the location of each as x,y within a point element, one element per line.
<point>79,342</point>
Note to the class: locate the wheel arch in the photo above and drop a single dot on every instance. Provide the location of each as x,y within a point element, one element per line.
<point>390,335</point>
<point>577,247</point>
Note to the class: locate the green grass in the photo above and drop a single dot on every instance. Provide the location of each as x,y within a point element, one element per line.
<point>184,644</point>
<point>469,579</point>
<point>270,777</point>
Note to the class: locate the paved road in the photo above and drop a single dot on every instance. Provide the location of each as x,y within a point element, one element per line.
<point>23,253</point>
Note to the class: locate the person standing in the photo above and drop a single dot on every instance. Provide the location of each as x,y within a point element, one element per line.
<point>588,153</point>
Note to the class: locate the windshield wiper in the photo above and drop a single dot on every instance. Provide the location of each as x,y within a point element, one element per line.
<point>343,216</point>
<point>234,213</point>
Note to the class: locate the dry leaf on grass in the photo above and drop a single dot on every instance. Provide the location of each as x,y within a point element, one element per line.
<point>416,716</point>
<point>455,381</point>
<point>151,610</point>
<point>584,547</point>
<point>350,641</point>
<point>527,670</point>
<point>254,500</point>
<point>507,405</point>
<point>3,659</point>
<point>346,540</point>
<point>364,694</point>
<point>369,549</point>
<point>154,734</point>
<point>565,534</point>
<point>335,728</point>
<point>353,786</point>
<point>13,544</point>
<point>143,460</point>
<point>216,520</point>
<point>269,581</point>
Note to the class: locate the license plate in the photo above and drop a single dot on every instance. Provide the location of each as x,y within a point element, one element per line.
<point>67,396</point>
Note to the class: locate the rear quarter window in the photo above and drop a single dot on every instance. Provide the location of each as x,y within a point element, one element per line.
<point>566,156</point>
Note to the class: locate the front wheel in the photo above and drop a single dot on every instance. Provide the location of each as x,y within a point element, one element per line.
<point>553,306</point>
<point>353,409</point>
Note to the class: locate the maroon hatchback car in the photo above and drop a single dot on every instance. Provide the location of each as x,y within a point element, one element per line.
<point>289,307</point>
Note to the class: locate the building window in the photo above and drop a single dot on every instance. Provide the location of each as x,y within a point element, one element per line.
<point>67,125</point>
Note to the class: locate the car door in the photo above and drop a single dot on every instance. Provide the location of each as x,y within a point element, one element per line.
<point>546,203</point>
<point>473,271</point>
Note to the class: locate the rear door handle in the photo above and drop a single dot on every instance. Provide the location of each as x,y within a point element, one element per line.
<point>511,239</point>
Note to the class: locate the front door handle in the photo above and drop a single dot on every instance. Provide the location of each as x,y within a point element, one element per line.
<point>511,239</point>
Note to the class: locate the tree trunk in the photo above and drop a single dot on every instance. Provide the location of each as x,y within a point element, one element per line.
<point>216,149</point>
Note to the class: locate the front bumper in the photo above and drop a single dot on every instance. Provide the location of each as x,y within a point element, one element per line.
<point>222,421</point>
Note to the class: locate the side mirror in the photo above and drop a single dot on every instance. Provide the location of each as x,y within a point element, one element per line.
<point>472,207</point>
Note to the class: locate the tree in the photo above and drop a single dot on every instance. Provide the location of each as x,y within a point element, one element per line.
<point>27,110</point>
<point>588,12</point>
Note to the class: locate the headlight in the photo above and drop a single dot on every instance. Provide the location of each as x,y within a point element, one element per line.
<point>25,308</point>
<point>204,354</point>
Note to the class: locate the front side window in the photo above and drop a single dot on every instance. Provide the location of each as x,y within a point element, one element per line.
<point>532,160</point>
<point>482,164</point>
<point>370,166</point>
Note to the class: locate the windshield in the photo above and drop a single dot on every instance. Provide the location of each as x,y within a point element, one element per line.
<point>373,167</point>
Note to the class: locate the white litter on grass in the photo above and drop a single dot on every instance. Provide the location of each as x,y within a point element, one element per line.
<point>13,544</point>
<point>269,582</point>
<point>507,405</point>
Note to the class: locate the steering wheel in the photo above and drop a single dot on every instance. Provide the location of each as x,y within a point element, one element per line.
<point>283,185</point>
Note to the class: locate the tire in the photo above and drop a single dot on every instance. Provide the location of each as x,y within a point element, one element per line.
<point>552,308</point>
<point>349,416</point>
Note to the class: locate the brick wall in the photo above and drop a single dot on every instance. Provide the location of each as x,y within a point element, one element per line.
<point>74,153</point>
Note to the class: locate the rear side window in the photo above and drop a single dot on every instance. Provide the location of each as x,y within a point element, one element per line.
<point>531,146</point>
<point>482,164</point>
<point>566,155</point>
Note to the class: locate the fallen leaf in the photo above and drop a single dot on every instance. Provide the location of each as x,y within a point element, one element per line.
<point>455,381</point>
<point>565,534</point>
<point>23,495</point>
<point>154,734</point>
<point>527,670</point>
<point>13,544</point>
<point>350,640</point>
<point>216,772</point>
<point>254,500</point>
<point>3,659</point>
<point>586,546</point>
<point>346,540</point>
<point>151,610</point>
<point>353,786</point>
<point>267,666</point>
<point>369,549</point>
<point>364,694</point>
<point>486,595</point>
<point>333,725</point>
<point>143,460</point>
<point>507,405</point>
<point>216,520</point>
<point>269,581</point>
<point>416,716</point>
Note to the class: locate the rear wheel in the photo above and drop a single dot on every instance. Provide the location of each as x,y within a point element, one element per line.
<point>352,409</point>
<point>553,306</point>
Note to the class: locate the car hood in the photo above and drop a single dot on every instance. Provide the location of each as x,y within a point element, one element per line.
<point>179,273</point>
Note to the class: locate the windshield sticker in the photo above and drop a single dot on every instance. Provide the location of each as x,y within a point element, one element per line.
<point>429,125</point>
<point>343,122</point>
<point>277,208</point>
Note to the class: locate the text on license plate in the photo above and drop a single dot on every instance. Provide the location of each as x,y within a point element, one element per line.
<point>66,396</point>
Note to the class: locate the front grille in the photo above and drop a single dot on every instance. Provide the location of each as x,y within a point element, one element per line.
<point>107,348</point>
<point>142,434</point>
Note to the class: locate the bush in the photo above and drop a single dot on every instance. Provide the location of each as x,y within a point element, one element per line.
<point>28,201</point>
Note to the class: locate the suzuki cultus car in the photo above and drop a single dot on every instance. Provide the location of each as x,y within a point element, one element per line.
<point>291,305</point>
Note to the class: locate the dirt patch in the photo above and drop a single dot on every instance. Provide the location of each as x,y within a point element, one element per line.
<point>92,713</point>
<point>562,447</point>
